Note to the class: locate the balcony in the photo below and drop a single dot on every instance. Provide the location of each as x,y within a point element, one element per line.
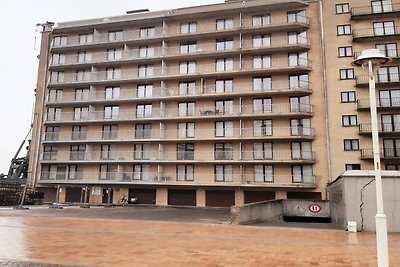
<point>377,11</point>
<point>382,104</point>
<point>247,180</point>
<point>390,33</point>
<point>394,54</point>
<point>387,129</point>
<point>380,79</point>
<point>385,153</point>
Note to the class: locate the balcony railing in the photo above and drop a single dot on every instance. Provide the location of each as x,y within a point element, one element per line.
<point>392,53</point>
<point>375,10</point>
<point>379,78</point>
<point>187,179</point>
<point>376,32</point>
<point>382,103</point>
<point>385,153</point>
<point>382,127</point>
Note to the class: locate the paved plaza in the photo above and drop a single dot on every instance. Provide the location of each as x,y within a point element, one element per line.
<point>45,237</point>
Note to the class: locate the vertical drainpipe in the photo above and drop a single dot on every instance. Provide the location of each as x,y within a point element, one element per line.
<point>325,87</point>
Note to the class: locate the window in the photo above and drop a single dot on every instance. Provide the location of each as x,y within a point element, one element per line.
<point>50,152</point>
<point>390,122</point>
<point>297,37</point>
<point>223,151</point>
<point>113,73</point>
<point>145,90</point>
<point>79,132</point>
<point>388,74</point>
<point>262,151</point>
<point>342,8</point>
<point>262,105</point>
<point>77,152</point>
<point>84,56</point>
<point>224,44</point>
<point>82,94</point>
<point>261,62</point>
<point>107,172</point>
<point>348,97</point>
<point>187,88</point>
<point>143,131</point>
<point>114,54</point>
<point>261,20</point>
<point>392,167</point>
<point>297,16</point>
<point>262,84</point>
<point>263,173</point>
<point>186,130</point>
<point>350,144</point>
<point>82,75</point>
<point>57,76</point>
<point>85,38</point>
<point>346,74</point>
<point>298,59</point>
<point>147,32</point>
<point>53,114</point>
<point>185,151</point>
<point>75,172</point>
<point>300,127</point>
<point>381,6</point>
<point>224,24</point>
<point>224,106</point>
<point>185,172</point>
<point>346,51</point>
<point>146,51</point>
<point>302,174</point>
<point>109,132</point>
<point>57,59</point>
<point>141,172</point>
<point>106,152</point>
<point>52,133</point>
<point>144,110</point>
<point>298,81</point>
<point>189,47</point>
<point>384,28</point>
<point>300,104</point>
<point>186,109</point>
<point>263,40</point>
<point>141,151</point>
<point>223,173</point>
<point>112,92</point>
<point>343,29</point>
<point>351,167</point>
<point>391,147</point>
<point>114,36</point>
<point>224,86</point>
<point>190,27</point>
<point>389,98</point>
<point>111,112</point>
<point>223,128</point>
<point>389,50</point>
<point>55,95</point>
<point>60,40</point>
<point>187,67</point>
<point>262,128</point>
<point>224,64</point>
<point>81,113</point>
<point>301,150</point>
<point>145,70</point>
<point>349,120</point>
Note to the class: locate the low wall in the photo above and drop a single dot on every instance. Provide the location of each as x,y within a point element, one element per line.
<point>260,211</point>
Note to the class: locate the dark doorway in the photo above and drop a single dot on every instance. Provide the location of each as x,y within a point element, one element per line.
<point>220,198</point>
<point>73,194</point>
<point>143,196</point>
<point>257,196</point>
<point>304,195</point>
<point>107,196</point>
<point>182,197</point>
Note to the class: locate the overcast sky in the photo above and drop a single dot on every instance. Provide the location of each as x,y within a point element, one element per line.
<point>18,68</point>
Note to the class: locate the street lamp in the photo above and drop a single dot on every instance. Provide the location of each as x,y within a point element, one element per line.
<point>373,59</point>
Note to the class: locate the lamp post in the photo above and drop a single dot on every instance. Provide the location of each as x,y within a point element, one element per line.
<point>373,59</point>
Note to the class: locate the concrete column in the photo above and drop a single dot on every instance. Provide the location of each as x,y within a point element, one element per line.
<point>162,196</point>
<point>62,195</point>
<point>280,195</point>
<point>200,198</point>
<point>239,197</point>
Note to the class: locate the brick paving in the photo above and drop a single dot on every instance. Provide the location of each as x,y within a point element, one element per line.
<point>48,241</point>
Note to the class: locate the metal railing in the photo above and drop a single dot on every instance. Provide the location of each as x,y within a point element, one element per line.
<point>382,127</point>
<point>376,32</point>
<point>379,78</point>
<point>381,102</point>
<point>392,53</point>
<point>379,9</point>
<point>385,153</point>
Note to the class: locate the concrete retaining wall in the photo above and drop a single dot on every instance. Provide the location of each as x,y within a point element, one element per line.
<point>260,211</point>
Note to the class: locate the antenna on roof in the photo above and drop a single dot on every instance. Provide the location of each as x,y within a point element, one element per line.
<point>137,11</point>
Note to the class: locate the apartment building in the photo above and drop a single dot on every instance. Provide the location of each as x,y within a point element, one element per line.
<point>211,105</point>
<point>350,27</point>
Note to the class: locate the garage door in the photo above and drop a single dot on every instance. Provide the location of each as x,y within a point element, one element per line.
<point>73,194</point>
<point>182,197</point>
<point>143,196</point>
<point>220,198</point>
<point>257,196</point>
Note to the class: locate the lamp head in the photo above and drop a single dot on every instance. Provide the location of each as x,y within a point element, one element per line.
<point>376,57</point>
